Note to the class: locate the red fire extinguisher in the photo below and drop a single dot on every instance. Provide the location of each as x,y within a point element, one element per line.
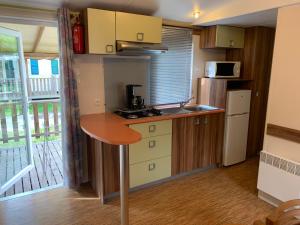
<point>78,37</point>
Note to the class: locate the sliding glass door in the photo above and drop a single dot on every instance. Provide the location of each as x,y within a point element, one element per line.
<point>15,138</point>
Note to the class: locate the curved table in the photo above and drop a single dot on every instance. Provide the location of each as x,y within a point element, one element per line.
<point>111,129</point>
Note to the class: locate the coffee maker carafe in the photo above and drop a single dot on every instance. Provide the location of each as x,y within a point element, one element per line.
<point>134,102</point>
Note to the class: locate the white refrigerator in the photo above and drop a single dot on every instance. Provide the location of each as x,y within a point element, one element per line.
<point>236,126</point>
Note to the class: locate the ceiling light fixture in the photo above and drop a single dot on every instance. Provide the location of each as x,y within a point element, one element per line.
<point>196,14</point>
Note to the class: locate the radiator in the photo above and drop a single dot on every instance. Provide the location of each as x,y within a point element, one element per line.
<point>278,177</point>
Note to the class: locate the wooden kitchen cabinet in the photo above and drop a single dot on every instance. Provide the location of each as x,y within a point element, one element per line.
<point>100,33</point>
<point>138,28</point>
<point>197,142</point>
<point>222,37</point>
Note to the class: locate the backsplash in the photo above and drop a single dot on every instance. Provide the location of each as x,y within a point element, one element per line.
<point>118,72</point>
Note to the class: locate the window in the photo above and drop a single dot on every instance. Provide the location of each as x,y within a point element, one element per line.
<point>170,79</point>
<point>9,69</point>
<point>54,66</point>
<point>34,64</point>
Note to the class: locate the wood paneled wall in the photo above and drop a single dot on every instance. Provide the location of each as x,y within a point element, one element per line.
<point>256,58</point>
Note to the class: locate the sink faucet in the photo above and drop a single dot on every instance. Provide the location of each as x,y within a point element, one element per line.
<point>182,104</point>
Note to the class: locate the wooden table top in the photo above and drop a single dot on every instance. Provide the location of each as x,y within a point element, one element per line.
<point>113,129</point>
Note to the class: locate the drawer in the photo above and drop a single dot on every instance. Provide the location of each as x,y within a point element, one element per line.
<point>153,128</point>
<point>149,171</point>
<point>150,148</point>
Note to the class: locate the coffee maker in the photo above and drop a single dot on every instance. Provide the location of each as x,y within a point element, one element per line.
<point>134,102</point>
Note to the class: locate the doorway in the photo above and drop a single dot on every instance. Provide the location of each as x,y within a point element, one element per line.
<point>30,117</point>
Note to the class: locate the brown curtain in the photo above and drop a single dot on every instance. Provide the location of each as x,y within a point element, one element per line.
<point>71,132</point>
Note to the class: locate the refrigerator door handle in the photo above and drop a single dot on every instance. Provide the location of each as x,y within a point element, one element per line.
<point>238,114</point>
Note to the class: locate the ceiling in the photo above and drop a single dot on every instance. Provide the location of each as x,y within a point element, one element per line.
<point>211,11</point>
<point>266,18</point>
<point>35,38</point>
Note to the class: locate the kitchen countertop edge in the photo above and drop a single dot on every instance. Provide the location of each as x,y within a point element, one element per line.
<point>113,129</point>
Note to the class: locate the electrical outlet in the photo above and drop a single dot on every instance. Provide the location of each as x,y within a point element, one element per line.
<point>97,102</point>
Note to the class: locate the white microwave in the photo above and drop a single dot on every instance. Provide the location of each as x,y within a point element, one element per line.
<point>223,69</point>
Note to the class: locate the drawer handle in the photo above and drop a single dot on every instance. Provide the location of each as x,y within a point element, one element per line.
<point>109,48</point>
<point>152,144</point>
<point>151,166</point>
<point>152,128</point>
<point>140,36</point>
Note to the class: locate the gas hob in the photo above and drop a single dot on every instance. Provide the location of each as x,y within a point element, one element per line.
<point>141,113</point>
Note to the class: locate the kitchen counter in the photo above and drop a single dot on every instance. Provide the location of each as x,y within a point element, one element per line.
<point>113,129</point>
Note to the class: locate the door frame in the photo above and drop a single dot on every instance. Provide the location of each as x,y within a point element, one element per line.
<point>22,71</point>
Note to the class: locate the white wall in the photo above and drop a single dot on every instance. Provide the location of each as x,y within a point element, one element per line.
<point>229,9</point>
<point>283,108</point>
<point>284,96</point>
<point>90,81</point>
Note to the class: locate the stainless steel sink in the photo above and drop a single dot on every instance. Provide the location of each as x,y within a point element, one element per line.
<point>177,110</point>
<point>200,108</point>
<point>187,109</point>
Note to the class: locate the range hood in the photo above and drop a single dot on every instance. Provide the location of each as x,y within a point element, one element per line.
<point>137,48</point>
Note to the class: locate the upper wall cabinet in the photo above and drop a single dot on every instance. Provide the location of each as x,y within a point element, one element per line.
<point>138,28</point>
<point>222,37</point>
<point>100,31</point>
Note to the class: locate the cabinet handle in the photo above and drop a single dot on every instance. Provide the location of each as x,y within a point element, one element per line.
<point>109,48</point>
<point>152,128</point>
<point>231,43</point>
<point>152,144</point>
<point>205,121</point>
<point>140,36</point>
<point>151,166</point>
<point>201,121</point>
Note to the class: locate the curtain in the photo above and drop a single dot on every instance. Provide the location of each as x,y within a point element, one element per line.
<point>71,132</point>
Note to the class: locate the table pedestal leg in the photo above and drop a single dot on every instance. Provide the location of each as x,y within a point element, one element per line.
<point>124,183</point>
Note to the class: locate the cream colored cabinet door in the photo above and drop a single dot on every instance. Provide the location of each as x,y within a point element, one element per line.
<point>153,129</point>
<point>150,148</point>
<point>230,37</point>
<point>138,28</point>
<point>100,31</point>
<point>149,171</point>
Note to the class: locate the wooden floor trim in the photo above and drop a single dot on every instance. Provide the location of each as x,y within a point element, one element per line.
<point>283,132</point>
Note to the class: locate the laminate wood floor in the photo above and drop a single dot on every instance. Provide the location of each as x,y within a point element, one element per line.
<point>217,197</point>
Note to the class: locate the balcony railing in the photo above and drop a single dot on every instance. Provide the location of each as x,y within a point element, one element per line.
<point>37,88</point>
<point>44,119</point>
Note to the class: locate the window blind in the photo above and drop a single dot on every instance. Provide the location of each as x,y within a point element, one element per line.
<point>170,79</point>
